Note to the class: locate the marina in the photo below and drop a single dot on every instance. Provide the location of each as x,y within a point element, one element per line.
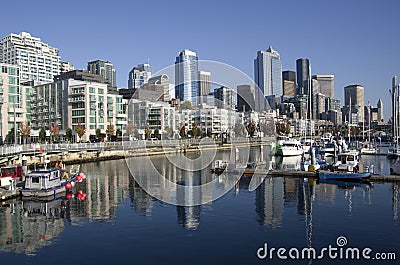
<point>288,208</point>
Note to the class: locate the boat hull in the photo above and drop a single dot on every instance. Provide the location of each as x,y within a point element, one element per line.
<point>343,175</point>
<point>43,192</point>
<point>289,152</point>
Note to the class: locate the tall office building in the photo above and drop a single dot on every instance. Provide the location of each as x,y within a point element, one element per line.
<point>303,76</point>
<point>187,77</point>
<point>246,98</point>
<point>225,98</point>
<point>289,83</point>
<point>268,72</point>
<point>139,75</point>
<point>355,95</point>
<point>105,69</point>
<point>380,110</point>
<point>37,60</point>
<point>326,84</point>
<point>204,83</point>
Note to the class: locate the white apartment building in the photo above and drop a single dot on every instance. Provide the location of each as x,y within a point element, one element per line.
<point>93,106</point>
<point>37,60</point>
<point>157,115</point>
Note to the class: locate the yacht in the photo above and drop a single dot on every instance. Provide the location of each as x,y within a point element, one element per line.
<point>290,148</point>
<point>347,162</point>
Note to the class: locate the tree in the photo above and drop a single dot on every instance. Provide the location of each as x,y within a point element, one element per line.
<point>195,131</point>
<point>25,131</point>
<point>118,132</point>
<point>110,130</point>
<point>147,131</point>
<point>239,129</point>
<point>186,105</point>
<point>130,128</point>
<point>42,134</point>
<point>169,132</point>
<point>251,128</point>
<point>157,133</point>
<point>68,134</point>
<point>55,131</point>
<point>136,133</point>
<point>11,135</point>
<point>98,133</point>
<point>80,130</point>
<point>182,131</point>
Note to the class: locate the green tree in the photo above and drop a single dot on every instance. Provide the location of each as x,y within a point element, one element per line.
<point>25,131</point>
<point>157,133</point>
<point>195,130</point>
<point>11,135</point>
<point>186,105</point>
<point>68,134</point>
<point>80,130</point>
<point>42,134</point>
<point>118,132</point>
<point>98,133</point>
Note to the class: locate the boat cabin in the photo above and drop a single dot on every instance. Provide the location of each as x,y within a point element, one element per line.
<point>43,179</point>
<point>348,161</point>
<point>8,173</point>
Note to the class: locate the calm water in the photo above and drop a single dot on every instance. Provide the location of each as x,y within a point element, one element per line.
<point>119,223</point>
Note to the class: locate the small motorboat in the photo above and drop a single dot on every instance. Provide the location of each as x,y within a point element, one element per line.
<point>347,176</point>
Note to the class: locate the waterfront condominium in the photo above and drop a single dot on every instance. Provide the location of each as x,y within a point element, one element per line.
<point>37,60</point>
<point>139,75</point>
<point>105,69</point>
<point>268,72</point>
<point>186,77</point>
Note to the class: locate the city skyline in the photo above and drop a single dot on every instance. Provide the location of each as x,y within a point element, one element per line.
<point>357,47</point>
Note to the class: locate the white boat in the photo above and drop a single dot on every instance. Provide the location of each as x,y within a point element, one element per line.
<point>290,148</point>
<point>347,162</point>
<point>368,149</point>
<point>44,183</point>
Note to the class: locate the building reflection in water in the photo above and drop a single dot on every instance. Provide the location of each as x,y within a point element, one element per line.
<point>270,202</point>
<point>26,226</point>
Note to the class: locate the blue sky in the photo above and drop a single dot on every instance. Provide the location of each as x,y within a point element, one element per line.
<point>357,41</point>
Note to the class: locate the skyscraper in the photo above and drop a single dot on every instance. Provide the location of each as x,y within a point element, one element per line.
<point>139,75</point>
<point>204,83</point>
<point>105,69</point>
<point>303,76</point>
<point>246,98</point>
<point>268,72</point>
<point>326,84</point>
<point>355,95</point>
<point>37,60</point>
<point>380,110</point>
<point>187,77</point>
<point>289,83</point>
<point>224,98</point>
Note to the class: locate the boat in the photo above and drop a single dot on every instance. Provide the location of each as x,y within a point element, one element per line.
<point>250,169</point>
<point>347,162</point>
<point>393,153</point>
<point>347,185</point>
<point>45,183</point>
<point>395,168</point>
<point>219,166</point>
<point>9,173</point>
<point>348,176</point>
<point>290,148</point>
<point>329,148</point>
<point>368,149</point>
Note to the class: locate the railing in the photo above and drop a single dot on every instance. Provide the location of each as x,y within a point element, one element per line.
<point>17,149</point>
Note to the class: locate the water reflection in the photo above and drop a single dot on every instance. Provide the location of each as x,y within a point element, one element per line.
<point>27,226</point>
